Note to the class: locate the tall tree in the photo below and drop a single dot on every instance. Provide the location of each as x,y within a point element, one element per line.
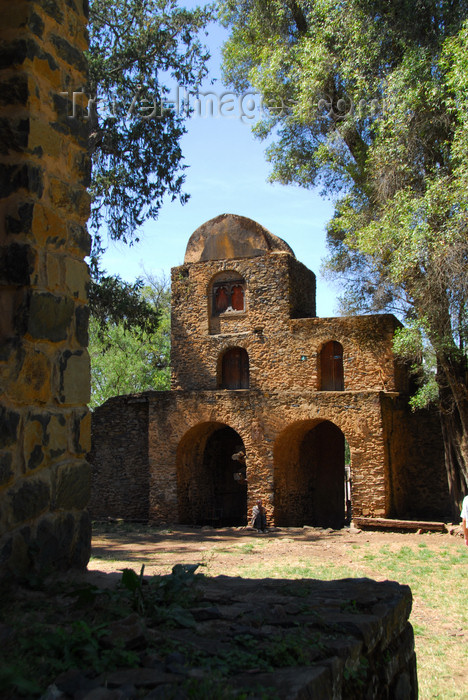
<point>365,98</point>
<point>140,53</point>
<point>125,360</point>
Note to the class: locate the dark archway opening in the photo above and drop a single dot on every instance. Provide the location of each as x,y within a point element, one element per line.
<point>310,475</point>
<point>210,491</point>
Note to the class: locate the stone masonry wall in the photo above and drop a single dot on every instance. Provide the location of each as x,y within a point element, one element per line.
<point>418,485</point>
<point>119,459</point>
<point>283,351</point>
<point>261,420</point>
<point>144,445</point>
<point>44,365</point>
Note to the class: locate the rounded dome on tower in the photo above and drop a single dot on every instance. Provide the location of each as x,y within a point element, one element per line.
<point>229,236</point>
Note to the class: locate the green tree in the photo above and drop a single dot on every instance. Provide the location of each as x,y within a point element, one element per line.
<point>366,98</point>
<point>140,51</point>
<point>125,360</point>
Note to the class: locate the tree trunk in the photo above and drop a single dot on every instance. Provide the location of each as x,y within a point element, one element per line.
<point>451,378</point>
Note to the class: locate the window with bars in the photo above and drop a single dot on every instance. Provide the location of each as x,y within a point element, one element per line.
<point>228,296</point>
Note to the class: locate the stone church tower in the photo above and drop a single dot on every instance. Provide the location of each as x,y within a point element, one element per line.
<point>264,396</point>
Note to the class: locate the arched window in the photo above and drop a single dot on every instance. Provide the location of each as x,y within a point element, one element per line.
<point>228,293</point>
<point>235,369</point>
<point>331,367</point>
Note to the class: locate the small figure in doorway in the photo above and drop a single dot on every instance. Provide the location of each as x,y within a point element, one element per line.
<point>240,476</point>
<point>258,520</point>
<point>464,517</point>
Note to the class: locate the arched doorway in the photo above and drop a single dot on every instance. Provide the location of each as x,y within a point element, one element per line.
<point>309,472</point>
<point>331,367</point>
<point>235,369</point>
<point>209,487</point>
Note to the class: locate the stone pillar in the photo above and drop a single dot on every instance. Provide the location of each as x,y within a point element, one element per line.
<point>44,364</point>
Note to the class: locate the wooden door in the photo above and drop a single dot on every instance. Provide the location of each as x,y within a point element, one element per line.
<point>331,367</point>
<point>235,369</point>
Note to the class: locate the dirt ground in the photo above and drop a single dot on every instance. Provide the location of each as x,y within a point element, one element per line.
<point>239,551</point>
<point>159,549</point>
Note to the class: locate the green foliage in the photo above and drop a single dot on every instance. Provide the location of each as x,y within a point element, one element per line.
<point>126,360</point>
<point>84,639</point>
<point>139,52</point>
<point>46,651</point>
<point>12,679</point>
<point>412,344</point>
<point>355,679</point>
<point>114,301</point>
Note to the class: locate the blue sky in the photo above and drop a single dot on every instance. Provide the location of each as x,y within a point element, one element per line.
<point>227,174</point>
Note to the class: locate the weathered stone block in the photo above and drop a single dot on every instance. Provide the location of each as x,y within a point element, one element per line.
<point>80,167</point>
<point>6,467</point>
<point>72,125</point>
<point>77,278</point>
<point>81,324</point>
<point>33,442</point>
<point>80,432</point>
<point>50,550</point>
<point>45,438</point>
<point>9,301</point>
<point>17,299</point>
<point>18,15</point>
<point>19,221</point>
<point>50,316</point>
<point>29,499</point>
<point>48,226</point>
<point>79,238</point>
<point>82,544</point>
<point>69,53</point>
<point>82,202</point>
<point>59,193</point>
<point>14,135</point>
<point>16,264</point>
<point>55,271</point>
<point>36,23</point>
<point>42,136</point>
<point>34,379</point>
<point>9,423</point>
<point>73,379</point>
<point>54,9</point>
<point>56,435</point>
<point>73,486</point>
<point>14,554</point>
<point>21,177</point>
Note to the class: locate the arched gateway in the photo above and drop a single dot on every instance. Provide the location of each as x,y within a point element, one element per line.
<point>211,485</point>
<point>309,475</point>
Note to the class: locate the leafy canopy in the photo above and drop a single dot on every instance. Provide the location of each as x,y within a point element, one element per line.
<point>139,52</point>
<point>125,359</point>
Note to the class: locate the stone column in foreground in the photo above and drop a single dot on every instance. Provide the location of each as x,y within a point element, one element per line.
<point>44,364</point>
